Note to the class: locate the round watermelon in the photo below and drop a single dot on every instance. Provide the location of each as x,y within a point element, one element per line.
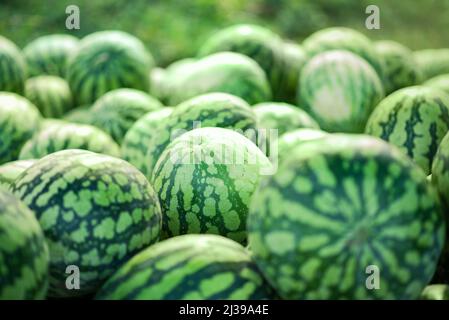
<point>346,217</point>
<point>193,267</point>
<point>63,136</point>
<point>294,138</point>
<point>294,57</point>
<point>158,83</point>
<point>256,42</point>
<point>435,292</point>
<point>96,212</point>
<point>49,54</point>
<point>282,117</point>
<point>81,114</point>
<point>339,90</point>
<point>137,139</point>
<point>12,67</point>
<point>341,38</point>
<point>205,179</point>
<point>208,110</point>
<point>432,62</point>
<point>439,82</point>
<point>24,254</point>
<point>50,94</point>
<point>105,61</point>
<point>415,119</point>
<point>399,66</point>
<point>174,74</point>
<point>118,110</point>
<point>19,120</point>
<point>225,72</point>
<point>11,170</point>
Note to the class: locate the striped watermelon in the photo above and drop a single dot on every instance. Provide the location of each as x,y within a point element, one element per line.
<point>339,90</point>
<point>294,57</point>
<point>432,62</point>
<point>340,38</point>
<point>283,117</point>
<point>194,267</point>
<point>11,170</point>
<point>399,66</point>
<point>435,292</point>
<point>205,179</point>
<point>225,72</point>
<point>19,120</point>
<point>81,114</point>
<point>105,61</point>
<point>415,119</point>
<point>256,42</point>
<point>49,54</point>
<point>439,82</point>
<point>208,110</point>
<point>50,94</point>
<point>23,252</point>
<point>118,110</point>
<point>135,143</point>
<point>96,212</point>
<point>63,136</point>
<point>339,206</point>
<point>12,67</point>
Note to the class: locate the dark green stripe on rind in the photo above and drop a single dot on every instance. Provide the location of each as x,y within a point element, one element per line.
<point>195,267</point>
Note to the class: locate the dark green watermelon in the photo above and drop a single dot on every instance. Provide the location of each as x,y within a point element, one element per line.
<point>13,70</point>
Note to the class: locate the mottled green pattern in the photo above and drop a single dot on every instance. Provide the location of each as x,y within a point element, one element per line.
<point>340,38</point>
<point>339,205</point>
<point>339,90</point>
<point>439,82</point>
<point>282,117</point>
<point>50,94</point>
<point>194,267</point>
<point>205,180</point>
<point>415,119</point>
<point>11,170</point>
<point>295,58</point>
<point>208,110</point>
<point>399,66</point>
<point>435,292</point>
<point>63,136</point>
<point>23,252</point>
<point>256,42</point>
<point>19,120</point>
<point>96,212</point>
<point>81,114</point>
<point>105,61</point>
<point>225,72</point>
<point>49,54</point>
<point>136,141</point>
<point>12,67</point>
<point>118,110</point>
<point>432,62</point>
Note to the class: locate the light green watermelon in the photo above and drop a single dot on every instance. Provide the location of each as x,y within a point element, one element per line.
<point>439,82</point>
<point>80,114</point>
<point>432,62</point>
<point>435,292</point>
<point>294,138</point>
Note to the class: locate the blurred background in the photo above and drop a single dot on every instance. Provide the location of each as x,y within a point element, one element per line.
<point>174,29</point>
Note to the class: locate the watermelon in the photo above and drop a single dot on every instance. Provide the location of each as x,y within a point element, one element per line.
<point>341,38</point>
<point>50,94</point>
<point>80,114</point>
<point>174,74</point>
<point>49,54</point>
<point>194,267</point>
<point>96,212</point>
<point>415,119</point>
<point>105,61</point>
<point>294,138</point>
<point>399,66</point>
<point>440,82</point>
<point>12,67</point>
<point>256,42</point>
<point>65,136</point>
<point>117,110</point>
<point>11,170</point>
<point>205,179</point>
<point>158,83</point>
<point>208,110</point>
<point>24,254</point>
<point>435,292</point>
<point>19,120</point>
<point>339,90</point>
<point>282,117</point>
<point>294,57</point>
<point>225,72</point>
<point>139,136</point>
<point>338,208</point>
<point>432,62</point>
<point>440,170</point>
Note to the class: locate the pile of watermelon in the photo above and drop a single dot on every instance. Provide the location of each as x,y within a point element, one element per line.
<point>258,169</point>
